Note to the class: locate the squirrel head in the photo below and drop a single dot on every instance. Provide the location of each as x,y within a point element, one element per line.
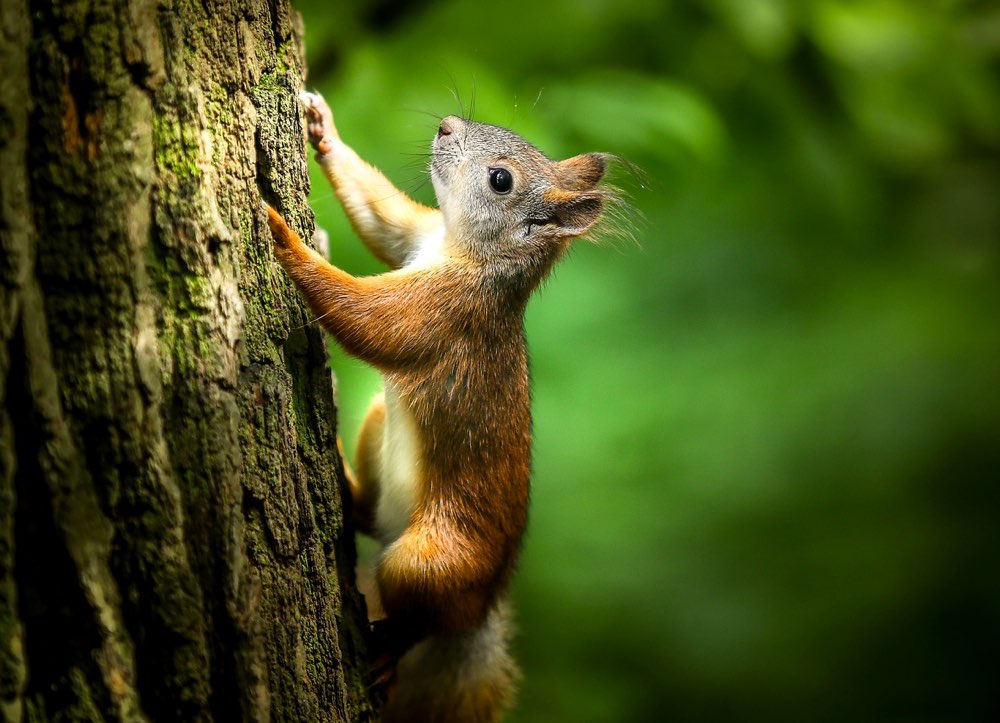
<point>505,202</point>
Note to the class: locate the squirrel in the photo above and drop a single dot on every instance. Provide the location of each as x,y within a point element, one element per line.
<point>443,458</point>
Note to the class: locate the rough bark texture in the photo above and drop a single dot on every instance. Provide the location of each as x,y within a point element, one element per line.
<point>172,545</point>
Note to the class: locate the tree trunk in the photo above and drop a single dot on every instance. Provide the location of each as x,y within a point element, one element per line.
<point>172,544</point>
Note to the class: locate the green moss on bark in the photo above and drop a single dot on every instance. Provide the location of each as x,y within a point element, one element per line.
<point>178,411</point>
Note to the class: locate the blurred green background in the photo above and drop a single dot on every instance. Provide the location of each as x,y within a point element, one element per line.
<point>767,449</point>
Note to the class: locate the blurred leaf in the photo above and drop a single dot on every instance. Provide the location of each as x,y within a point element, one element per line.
<point>765,26</point>
<point>878,35</point>
<point>636,115</point>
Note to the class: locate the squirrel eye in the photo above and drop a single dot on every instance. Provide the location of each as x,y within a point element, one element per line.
<point>501,180</point>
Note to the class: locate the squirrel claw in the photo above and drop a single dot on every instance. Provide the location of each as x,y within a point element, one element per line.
<point>319,122</point>
<point>389,643</point>
<point>382,677</point>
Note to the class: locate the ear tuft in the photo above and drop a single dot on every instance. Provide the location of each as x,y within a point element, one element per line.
<point>581,173</point>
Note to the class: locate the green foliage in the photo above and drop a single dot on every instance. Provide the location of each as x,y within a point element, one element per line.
<point>767,443</point>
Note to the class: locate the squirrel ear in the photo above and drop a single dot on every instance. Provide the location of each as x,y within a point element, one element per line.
<point>581,173</point>
<point>574,214</point>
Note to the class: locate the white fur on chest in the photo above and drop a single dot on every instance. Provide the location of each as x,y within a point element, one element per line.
<point>428,250</point>
<point>400,469</point>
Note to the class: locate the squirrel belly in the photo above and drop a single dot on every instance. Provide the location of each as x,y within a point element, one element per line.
<point>400,469</point>
<point>444,455</point>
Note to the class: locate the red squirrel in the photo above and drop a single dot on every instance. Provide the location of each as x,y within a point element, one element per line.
<point>444,453</point>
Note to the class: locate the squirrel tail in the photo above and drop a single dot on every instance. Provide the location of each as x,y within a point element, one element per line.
<point>466,677</point>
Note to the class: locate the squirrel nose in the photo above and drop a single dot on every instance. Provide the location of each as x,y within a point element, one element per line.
<point>446,128</point>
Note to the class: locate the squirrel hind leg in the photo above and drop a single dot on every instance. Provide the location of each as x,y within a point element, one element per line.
<point>467,677</point>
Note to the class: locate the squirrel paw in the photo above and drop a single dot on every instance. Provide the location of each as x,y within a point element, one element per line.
<point>389,642</point>
<point>382,677</point>
<point>319,122</point>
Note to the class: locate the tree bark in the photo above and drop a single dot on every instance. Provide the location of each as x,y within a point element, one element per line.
<point>172,543</point>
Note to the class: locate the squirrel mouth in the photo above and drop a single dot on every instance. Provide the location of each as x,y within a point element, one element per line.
<point>441,167</point>
<point>444,161</point>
